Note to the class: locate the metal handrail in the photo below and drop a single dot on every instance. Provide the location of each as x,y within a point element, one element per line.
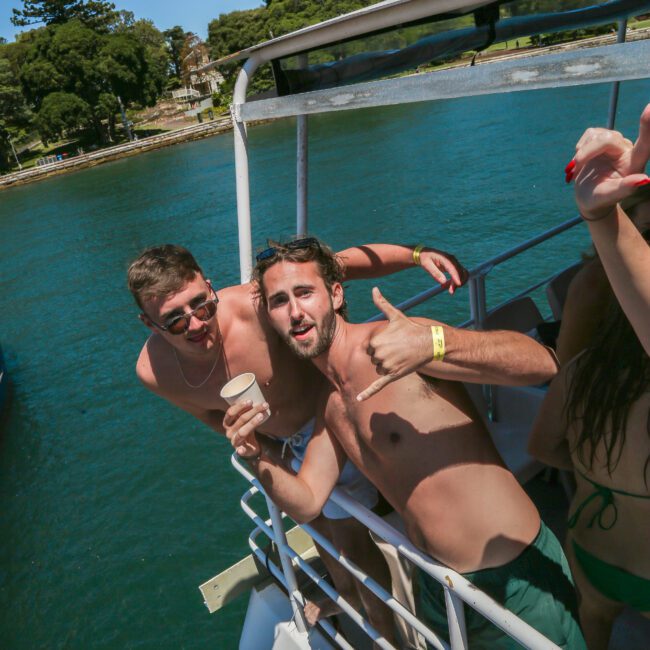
<point>329,590</point>
<point>276,572</point>
<point>377,589</point>
<point>283,547</point>
<point>456,587</point>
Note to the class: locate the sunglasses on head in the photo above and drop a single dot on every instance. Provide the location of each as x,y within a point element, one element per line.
<point>305,242</point>
<point>180,324</point>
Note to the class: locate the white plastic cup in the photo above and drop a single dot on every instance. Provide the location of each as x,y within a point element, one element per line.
<point>244,387</point>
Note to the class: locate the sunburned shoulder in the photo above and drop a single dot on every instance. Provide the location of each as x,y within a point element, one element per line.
<point>363,332</point>
<point>154,352</point>
<point>239,302</point>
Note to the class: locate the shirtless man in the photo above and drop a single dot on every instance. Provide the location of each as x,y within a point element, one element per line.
<point>421,442</point>
<point>195,347</point>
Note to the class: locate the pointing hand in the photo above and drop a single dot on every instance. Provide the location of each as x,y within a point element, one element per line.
<point>398,349</point>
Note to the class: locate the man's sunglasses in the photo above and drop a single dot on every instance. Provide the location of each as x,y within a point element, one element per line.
<point>180,324</point>
<point>305,242</point>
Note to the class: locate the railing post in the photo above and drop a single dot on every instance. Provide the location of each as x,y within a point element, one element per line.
<point>478,309</point>
<point>477,305</point>
<point>302,167</point>
<point>456,621</point>
<point>287,566</point>
<point>613,98</point>
<point>240,138</point>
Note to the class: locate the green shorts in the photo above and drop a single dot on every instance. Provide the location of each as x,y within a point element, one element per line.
<point>536,586</point>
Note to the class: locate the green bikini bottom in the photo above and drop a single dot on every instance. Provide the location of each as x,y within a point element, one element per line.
<point>617,584</point>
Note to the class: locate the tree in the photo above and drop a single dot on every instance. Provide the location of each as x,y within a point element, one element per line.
<point>157,60</point>
<point>62,80</point>
<point>96,67</point>
<point>15,116</point>
<point>175,38</point>
<point>62,113</point>
<point>123,20</point>
<point>97,14</point>
<point>108,106</point>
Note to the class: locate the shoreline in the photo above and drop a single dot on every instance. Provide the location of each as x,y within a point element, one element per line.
<point>224,124</point>
<point>86,160</point>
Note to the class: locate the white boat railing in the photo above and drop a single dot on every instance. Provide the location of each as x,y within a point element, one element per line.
<point>457,589</point>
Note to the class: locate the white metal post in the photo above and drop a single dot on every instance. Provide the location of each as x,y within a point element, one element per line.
<point>456,620</point>
<point>613,98</point>
<point>241,171</point>
<point>287,566</point>
<point>302,164</point>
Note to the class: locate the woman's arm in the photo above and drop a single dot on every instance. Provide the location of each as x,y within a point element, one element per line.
<point>548,439</point>
<point>626,258</point>
<point>608,168</point>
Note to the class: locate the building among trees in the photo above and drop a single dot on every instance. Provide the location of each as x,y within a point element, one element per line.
<point>198,84</point>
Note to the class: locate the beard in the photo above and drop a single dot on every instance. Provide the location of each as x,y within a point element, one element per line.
<point>325,334</point>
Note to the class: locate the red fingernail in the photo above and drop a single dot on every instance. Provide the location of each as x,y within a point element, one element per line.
<point>569,177</point>
<point>645,181</point>
<point>569,167</point>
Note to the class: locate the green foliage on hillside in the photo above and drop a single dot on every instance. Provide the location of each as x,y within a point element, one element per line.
<point>71,72</point>
<point>64,78</point>
<point>15,115</point>
<point>175,39</point>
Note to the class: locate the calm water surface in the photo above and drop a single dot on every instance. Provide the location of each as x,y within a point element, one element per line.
<point>115,506</point>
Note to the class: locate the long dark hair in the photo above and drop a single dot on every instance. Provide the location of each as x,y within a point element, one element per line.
<point>609,377</point>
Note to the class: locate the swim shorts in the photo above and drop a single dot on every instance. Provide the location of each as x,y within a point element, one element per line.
<point>352,481</point>
<point>536,586</point>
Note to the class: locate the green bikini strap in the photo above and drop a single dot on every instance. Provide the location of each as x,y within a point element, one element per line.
<point>607,497</point>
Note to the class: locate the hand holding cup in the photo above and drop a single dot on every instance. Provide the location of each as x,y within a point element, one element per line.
<point>247,411</point>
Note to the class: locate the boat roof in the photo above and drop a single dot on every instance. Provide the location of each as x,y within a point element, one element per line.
<point>383,15</point>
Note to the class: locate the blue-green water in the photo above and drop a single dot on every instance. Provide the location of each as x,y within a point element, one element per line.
<point>114,506</point>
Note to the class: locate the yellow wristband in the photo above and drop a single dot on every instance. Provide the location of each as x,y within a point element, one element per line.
<point>438,337</point>
<point>416,254</point>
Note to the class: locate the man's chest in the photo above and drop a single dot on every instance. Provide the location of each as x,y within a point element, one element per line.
<point>291,390</point>
<point>348,422</point>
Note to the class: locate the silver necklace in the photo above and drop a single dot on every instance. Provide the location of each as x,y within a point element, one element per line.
<point>214,365</point>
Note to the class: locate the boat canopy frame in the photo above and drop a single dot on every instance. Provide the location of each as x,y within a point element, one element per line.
<point>611,63</point>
